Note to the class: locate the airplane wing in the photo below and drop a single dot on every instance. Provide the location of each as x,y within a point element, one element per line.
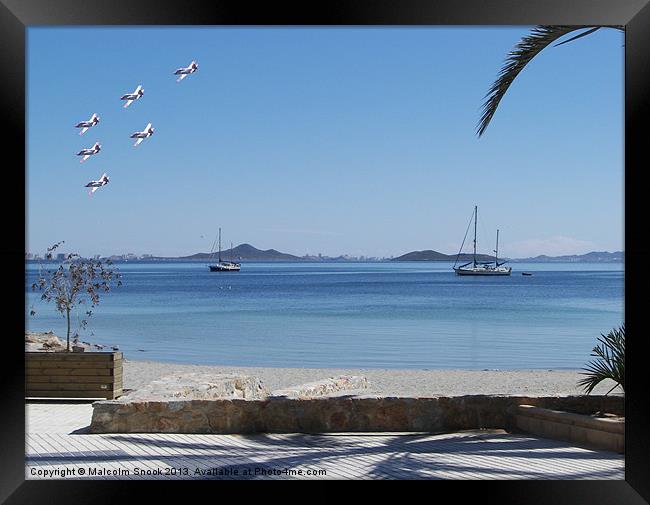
<point>85,158</point>
<point>182,76</point>
<point>83,130</point>
<point>146,128</point>
<point>128,102</point>
<point>137,142</point>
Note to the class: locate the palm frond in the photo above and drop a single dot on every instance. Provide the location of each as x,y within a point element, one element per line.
<point>527,48</point>
<point>577,36</point>
<point>610,362</point>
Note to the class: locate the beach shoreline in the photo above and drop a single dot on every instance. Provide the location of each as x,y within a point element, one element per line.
<point>409,382</point>
<point>386,382</point>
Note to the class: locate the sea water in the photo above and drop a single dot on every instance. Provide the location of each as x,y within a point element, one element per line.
<point>417,315</point>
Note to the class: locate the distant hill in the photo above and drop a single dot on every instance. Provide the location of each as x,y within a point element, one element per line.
<point>590,257</point>
<point>430,255</point>
<point>242,252</point>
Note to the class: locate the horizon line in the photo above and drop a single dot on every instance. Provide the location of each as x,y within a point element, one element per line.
<point>327,256</point>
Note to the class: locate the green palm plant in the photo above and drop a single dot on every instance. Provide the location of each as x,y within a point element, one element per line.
<point>610,363</point>
<point>528,47</point>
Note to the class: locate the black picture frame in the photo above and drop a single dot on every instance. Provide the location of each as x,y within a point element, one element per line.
<point>17,15</point>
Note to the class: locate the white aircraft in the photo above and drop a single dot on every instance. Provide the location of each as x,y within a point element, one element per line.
<point>185,71</point>
<point>144,134</point>
<point>103,181</point>
<point>94,119</point>
<point>87,153</point>
<point>131,97</point>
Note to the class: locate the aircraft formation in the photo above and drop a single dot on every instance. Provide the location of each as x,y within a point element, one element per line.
<point>148,131</point>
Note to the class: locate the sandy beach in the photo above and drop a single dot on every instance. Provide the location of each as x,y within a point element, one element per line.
<point>386,382</point>
<point>382,382</point>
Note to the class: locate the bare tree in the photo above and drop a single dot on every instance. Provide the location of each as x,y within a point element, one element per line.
<point>74,283</point>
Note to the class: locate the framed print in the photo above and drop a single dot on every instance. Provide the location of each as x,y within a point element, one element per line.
<point>417,200</point>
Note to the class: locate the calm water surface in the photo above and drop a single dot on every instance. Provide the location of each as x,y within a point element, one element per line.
<point>374,315</point>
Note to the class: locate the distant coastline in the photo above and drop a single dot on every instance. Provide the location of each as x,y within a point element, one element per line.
<point>590,257</point>
<point>247,252</point>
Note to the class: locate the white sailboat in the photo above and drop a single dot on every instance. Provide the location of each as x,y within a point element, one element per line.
<point>481,267</point>
<point>224,266</point>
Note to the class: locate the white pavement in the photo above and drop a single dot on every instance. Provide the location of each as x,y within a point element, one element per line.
<point>59,447</point>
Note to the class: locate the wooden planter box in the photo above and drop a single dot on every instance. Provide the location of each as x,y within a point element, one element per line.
<point>73,375</point>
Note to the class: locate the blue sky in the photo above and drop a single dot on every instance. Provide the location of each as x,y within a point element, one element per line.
<point>323,140</point>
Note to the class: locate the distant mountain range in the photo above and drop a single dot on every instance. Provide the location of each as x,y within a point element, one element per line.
<point>247,252</point>
<point>590,257</point>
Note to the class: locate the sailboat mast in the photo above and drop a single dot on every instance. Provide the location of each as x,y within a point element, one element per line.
<point>496,251</point>
<point>475,219</point>
<point>219,245</point>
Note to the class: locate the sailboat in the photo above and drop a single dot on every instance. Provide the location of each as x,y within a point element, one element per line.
<point>224,266</point>
<point>481,267</point>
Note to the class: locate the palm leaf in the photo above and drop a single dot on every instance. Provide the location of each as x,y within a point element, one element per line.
<point>610,362</point>
<point>527,48</point>
<point>577,36</point>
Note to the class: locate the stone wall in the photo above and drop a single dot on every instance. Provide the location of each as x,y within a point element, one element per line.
<point>330,414</point>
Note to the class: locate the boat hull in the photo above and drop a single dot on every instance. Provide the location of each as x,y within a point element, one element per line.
<point>225,268</point>
<point>483,272</point>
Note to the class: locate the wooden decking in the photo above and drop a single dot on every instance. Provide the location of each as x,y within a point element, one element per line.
<point>58,447</point>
